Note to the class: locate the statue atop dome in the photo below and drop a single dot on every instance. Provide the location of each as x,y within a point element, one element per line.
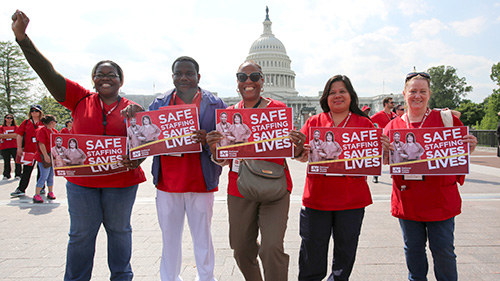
<point>267,13</point>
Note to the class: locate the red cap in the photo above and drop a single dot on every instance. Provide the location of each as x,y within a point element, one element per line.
<point>365,108</point>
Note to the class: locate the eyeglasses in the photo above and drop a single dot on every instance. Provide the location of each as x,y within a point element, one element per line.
<point>109,75</point>
<point>414,74</point>
<point>255,76</point>
<point>391,102</point>
<point>8,117</point>
<point>402,109</point>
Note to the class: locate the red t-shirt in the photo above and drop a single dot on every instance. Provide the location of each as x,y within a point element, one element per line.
<point>10,142</point>
<point>382,119</point>
<point>232,187</point>
<point>335,193</point>
<point>27,129</point>
<point>88,119</point>
<point>43,136</point>
<point>436,198</point>
<point>65,131</point>
<point>181,174</point>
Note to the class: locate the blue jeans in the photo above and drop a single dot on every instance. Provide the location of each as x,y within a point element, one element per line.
<point>440,235</point>
<point>88,209</point>
<point>46,175</point>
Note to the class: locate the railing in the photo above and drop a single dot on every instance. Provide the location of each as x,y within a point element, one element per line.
<point>485,137</point>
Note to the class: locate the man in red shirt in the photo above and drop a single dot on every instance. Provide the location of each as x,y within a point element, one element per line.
<point>383,117</point>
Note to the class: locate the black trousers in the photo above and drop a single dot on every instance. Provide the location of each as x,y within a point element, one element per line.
<point>7,154</point>
<point>26,175</point>
<point>316,227</point>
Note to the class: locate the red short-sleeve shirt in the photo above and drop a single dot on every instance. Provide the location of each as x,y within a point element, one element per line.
<point>435,198</point>
<point>87,113</point>
<point>27,129</point>
<point>11,142</point>
<point>187,164</point>
<point>335,193</point>
<point>43,136</point>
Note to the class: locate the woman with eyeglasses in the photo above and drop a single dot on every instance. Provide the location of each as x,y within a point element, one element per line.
<point>42,156</point>
<point>333,206</point>
<point>426,207</point>
<point>26,143</point>
<point>246,217</point>
<point>8,146</point>
<point>97,200</point>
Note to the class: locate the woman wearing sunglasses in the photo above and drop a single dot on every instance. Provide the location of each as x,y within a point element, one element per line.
<point>426,208</point>
<point>334,206</point>
<point>26,143</point>
<point>246,217</point>
<point>96,200</point>
<point>8,145</point>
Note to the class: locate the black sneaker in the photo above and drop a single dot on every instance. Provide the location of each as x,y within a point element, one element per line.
<point>17,193</point>
<point>375,180</point>
<point>43,190</point>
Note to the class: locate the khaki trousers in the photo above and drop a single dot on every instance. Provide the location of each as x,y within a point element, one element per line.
<point>246,218</point>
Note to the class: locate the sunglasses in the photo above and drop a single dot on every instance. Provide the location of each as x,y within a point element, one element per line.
<point>8,117</point>
<point>34,110</point>
<point>242,77</point>
<point>414,74</point>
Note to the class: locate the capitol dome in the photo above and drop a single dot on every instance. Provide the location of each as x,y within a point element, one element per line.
<point>270,53</point>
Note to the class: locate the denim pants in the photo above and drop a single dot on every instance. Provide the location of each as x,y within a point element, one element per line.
<point>88,209</point>
<point>440,235</point>
<point>46,176</point>
<point>316,228</point>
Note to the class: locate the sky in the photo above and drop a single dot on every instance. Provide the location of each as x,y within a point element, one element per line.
<point>375,43</point>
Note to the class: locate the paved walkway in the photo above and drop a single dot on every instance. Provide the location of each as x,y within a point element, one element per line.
<point>33,237</point>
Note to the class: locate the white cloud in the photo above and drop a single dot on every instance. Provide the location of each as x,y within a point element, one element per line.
<point>426,28</point>
<point>469,27</point>
<point>410,8</point>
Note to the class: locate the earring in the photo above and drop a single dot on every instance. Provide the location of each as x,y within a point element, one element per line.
<point>237,90</point>
<point>261,90</point>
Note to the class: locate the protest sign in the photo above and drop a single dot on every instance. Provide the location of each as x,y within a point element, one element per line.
<point>345,151</point>
<point>254,133</point>
<point>87,155</point>
<point>27,158</point>
<point>168,130</point>
<point>429,151</point>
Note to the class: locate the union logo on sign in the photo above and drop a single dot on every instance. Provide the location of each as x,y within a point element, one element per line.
<point>224,154</point>
<point>314,168</point>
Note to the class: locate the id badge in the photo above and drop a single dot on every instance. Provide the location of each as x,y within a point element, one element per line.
<point>235,165</point>
<point>413,177</point>
<point>33,139</point>
<point>176,154</point>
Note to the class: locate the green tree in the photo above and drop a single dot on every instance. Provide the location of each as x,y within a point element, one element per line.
<point>15,79</point>
<point>472,113</point>
<point>51,106</point>
<point>492,103</point>
<point>490,120</point>
<point>495,73</point>
<point>447,88</point>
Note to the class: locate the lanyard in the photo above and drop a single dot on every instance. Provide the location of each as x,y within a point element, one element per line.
<point>346,120</point>
<point>255,106</point>
<point>406,118</point>
<point>105,115</point>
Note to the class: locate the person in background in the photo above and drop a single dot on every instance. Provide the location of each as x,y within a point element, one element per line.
<point>247,217</point>
<point>427,206</point>
<point>382,118</point>
<point>42,156</point>
<point>333,206</point>
<point>498,136</point>
<point>26,143</point>
<point>98,200</point>
<point>8,146</point>
<point>399,110</point>
<point>366,109</point>
<point>68,125</point>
